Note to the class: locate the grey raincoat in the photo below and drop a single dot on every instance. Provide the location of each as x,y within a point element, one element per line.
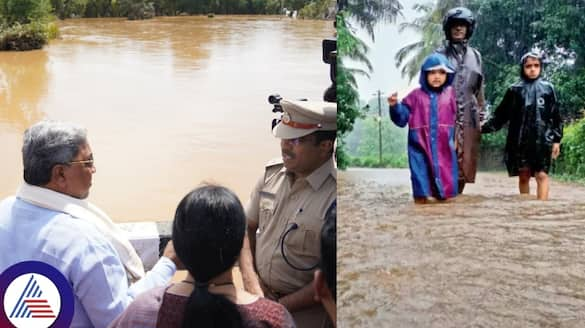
<point>469,91</point>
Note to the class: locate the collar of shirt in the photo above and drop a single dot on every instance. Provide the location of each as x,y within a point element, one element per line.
<point>318,177</point>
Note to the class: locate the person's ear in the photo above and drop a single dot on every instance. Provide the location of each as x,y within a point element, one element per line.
<point>58,175</point>
<point>326,146</point>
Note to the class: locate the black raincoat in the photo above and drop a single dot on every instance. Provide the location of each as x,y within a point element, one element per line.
<point>532,109</point>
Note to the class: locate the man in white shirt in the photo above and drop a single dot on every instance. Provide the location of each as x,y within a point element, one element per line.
<point>50,221</point>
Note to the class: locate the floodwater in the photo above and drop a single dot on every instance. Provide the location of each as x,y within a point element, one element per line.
<point>490,258</point>
<point>168,103</point>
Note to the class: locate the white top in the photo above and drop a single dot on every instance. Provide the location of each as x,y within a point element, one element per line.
<point>81,253</point>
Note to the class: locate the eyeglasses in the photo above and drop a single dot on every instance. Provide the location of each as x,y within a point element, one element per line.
<point>295,141</point>
<point>86,163</point>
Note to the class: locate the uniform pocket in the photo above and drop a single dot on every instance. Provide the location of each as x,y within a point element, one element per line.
<point>303,242</point>
<point>266,209</point>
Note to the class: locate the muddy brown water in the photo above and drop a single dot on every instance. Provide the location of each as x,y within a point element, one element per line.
<point>168,102</point>
<point>490,258</point>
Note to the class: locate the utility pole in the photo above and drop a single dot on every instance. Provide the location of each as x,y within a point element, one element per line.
<point>380,126</point>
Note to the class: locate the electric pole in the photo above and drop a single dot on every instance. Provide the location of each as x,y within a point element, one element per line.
<point>379,127</point>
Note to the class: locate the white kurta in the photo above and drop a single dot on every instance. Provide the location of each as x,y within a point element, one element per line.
<point>81,253</point>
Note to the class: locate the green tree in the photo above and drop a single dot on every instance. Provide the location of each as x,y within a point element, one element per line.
<point>25,24</point>
<point>98,8</point>
<point>365,14</point>
<point>318,9</point>
<point>430,27</point>
<point>564,24</point>
<point>572,159</point>
<point>351,47</point>
<point>136,9</point>
<point>393,137</point>
<point>24,11</point>
<point>293,4</point>
<point>146,8</point>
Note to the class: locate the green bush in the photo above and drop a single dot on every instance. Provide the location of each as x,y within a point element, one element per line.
<point>24,11</point>
<point>343,160</point>
<point>370,162</point>
<point>571,162</point>
<point>26,24</point>
<point>389,161</point>
<point>52,31</point>
<point>491,151</point>
<point>24,37</point>
<point>318,9</point>
<point>136,9</point>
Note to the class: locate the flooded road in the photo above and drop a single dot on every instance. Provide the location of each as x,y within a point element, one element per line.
<point>490,258</point>
<point>168,102</point>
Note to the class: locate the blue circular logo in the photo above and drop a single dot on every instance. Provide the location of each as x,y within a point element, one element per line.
<point>35,294</point>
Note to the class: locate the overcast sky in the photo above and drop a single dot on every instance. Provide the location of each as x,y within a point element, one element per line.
<point>386,77</point>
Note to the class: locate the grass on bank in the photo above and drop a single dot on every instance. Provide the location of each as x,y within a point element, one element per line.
<point>388,161</point>
<point>22,37</point>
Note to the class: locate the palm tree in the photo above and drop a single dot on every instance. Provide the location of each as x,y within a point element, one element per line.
<point>430,28</point>
<point>348,46</point>
<point>365,13</point>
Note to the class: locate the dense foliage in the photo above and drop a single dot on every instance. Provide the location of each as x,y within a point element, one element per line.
<point>572,161</point>
<point>363,144</point>
<point>348,110</point>
<point>134,8</point>
<point>25,24</point>
<point>24,11</point>
<point>354,14</point>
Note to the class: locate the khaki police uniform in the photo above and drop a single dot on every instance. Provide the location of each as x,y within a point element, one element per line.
<point>277,204</point>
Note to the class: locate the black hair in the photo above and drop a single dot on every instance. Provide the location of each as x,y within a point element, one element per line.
<point>329,249</point>
<point>325,135</point>
<point>208,233</point>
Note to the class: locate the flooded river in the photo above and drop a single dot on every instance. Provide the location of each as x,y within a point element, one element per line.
<point>490,258</point>
<point>168,102</point>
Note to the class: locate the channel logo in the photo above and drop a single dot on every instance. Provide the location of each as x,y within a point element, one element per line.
<point>34,294</point>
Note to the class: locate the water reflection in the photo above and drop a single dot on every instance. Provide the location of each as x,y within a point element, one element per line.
<point>23,82</point>
<point>490,258</point>
<point>171,102</point>
<point>23,85</point>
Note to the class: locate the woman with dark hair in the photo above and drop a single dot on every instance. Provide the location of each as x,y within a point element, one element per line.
<point>208,233</point>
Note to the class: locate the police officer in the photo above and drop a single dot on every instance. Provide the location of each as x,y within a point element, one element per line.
<point>287,209</point>
<point>458,25</point>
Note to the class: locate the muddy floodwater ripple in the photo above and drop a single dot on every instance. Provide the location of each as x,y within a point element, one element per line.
<point>490,258</point>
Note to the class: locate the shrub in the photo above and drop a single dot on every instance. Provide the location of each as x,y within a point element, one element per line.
<point>572,159</point>
<point>24,37</point>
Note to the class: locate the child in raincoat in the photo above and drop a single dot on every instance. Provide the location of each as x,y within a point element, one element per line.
<point>430,114</point>
<point>535,129</point>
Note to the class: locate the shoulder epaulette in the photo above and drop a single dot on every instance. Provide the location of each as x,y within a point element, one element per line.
<point>272,167</point>
<point>274,162</point>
